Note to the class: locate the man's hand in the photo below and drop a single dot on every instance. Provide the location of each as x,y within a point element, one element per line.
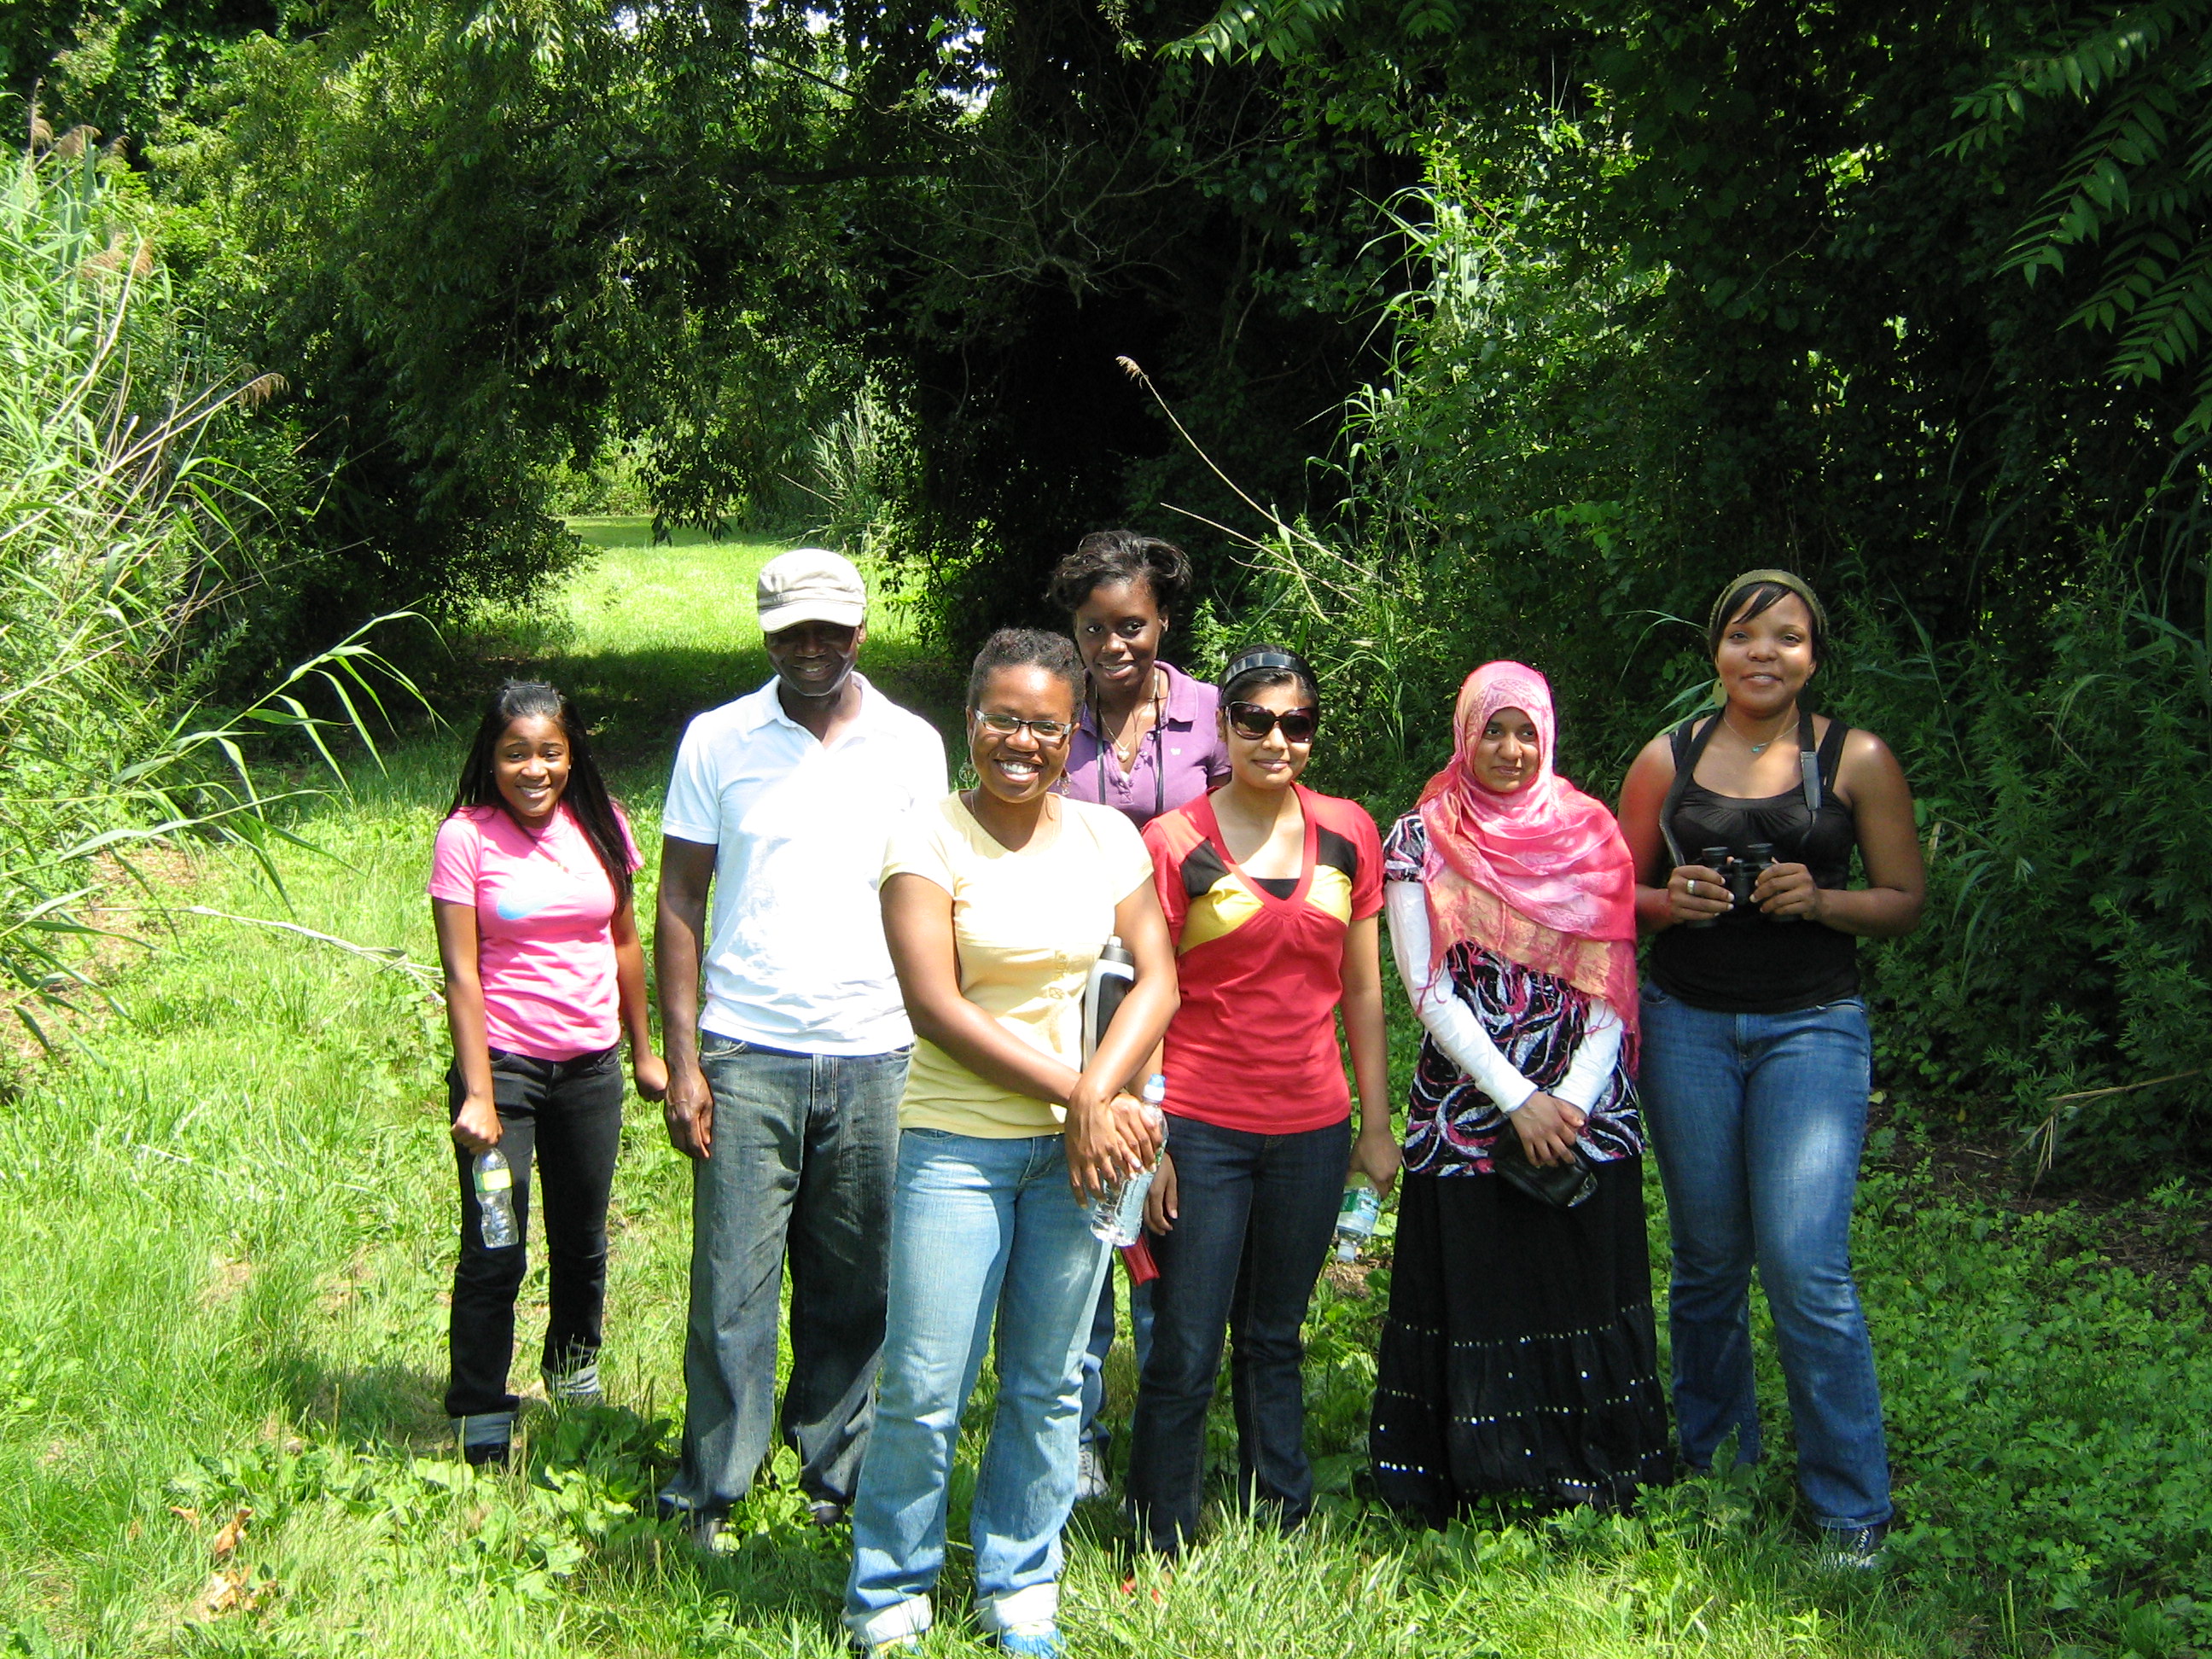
<point>689,1111</point>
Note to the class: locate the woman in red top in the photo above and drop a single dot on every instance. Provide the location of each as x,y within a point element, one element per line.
<point>1272,892</point>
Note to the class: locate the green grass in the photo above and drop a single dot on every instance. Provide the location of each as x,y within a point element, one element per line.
<point>232,1234</point>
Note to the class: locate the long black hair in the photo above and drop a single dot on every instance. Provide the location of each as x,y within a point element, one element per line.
<point>586,795</point>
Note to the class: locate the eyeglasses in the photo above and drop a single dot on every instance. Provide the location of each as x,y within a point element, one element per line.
<point>1249,720</point>
<point>1006,725</point>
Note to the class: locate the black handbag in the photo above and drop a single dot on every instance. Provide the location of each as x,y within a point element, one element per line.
<point>1562,1186</point>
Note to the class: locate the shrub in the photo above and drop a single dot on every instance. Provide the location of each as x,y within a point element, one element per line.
<point>129,479</point>
<point>1510,498</point>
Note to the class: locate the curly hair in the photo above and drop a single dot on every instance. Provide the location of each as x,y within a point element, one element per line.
<point>1025,648</point>
<point>1109,557</point>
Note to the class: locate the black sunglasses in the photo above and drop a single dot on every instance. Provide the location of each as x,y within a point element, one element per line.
<point>1249,720</point>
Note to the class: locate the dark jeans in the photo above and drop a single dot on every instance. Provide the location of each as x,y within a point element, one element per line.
<point>565,1115</point>
<point>1256,1215</point>
<point>805,1153</point>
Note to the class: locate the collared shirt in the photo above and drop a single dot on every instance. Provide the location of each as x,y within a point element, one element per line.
<point>1178,760</point>
<point>795,956</point>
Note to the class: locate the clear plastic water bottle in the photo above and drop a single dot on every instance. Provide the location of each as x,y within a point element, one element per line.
<point>1117,1215</point>
<point>495,1184</point>
<point>1357,1212</point>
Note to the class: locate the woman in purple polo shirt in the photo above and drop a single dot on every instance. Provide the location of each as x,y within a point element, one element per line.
<point>1145,741</point>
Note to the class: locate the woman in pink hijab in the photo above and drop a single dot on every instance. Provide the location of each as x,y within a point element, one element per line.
<point>1519,1354</point>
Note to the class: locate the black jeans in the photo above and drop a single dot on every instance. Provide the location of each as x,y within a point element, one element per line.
<point>1256,1215</point>
<point>565,1114</point>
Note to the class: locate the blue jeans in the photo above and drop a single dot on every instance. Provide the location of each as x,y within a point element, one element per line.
<point>1101,1344</point>
<point>986,1232</point>
<point>1757,1121</point>
<point>1255,1215</point>
<point>804,1149</point>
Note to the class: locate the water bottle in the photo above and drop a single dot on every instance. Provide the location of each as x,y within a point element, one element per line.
<point>495,1184</point>
<point>1117,1215</point>
<point>1357,1212</point>
<point>1107,982</point>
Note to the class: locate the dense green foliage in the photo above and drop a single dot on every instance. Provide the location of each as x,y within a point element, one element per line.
<point>137,497</point>
<point>485,245</point>
<point>123,468</point>
<point>1745,286</point>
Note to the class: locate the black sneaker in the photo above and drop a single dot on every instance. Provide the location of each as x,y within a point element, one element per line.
<point>1853,1549</point>
<point>825,1512</point>
<point>491,1452</point>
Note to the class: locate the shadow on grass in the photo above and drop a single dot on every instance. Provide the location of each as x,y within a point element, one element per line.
<point>370,1409</point>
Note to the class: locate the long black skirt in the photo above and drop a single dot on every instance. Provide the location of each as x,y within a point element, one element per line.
<point>1519,1354</point>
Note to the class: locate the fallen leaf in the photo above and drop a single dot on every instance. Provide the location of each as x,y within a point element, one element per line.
<point>232,1533</point>
<point>190,1518</point>
<point>228,1590</point>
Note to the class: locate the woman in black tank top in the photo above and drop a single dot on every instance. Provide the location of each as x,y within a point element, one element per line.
<point>1756,1053</point>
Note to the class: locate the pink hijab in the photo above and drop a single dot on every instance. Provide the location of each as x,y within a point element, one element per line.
<point>1542,876</point>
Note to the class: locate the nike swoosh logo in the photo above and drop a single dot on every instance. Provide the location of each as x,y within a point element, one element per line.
<point>511,909</point>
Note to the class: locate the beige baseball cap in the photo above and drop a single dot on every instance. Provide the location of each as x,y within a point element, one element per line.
<point>809,584</point>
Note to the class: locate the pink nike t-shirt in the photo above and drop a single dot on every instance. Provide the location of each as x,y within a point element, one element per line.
<point>546,944</point>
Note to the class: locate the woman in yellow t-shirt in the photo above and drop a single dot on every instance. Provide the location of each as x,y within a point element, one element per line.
<point>996,904</point>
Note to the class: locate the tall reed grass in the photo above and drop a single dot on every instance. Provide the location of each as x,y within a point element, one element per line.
<point>126,521</point>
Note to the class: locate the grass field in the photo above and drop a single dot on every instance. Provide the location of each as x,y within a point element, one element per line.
<point>231,1231</point>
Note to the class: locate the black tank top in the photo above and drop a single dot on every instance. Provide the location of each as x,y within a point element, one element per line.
<point>1747,963</point>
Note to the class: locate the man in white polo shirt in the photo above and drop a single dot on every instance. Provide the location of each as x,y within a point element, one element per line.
<point>784,1089</point>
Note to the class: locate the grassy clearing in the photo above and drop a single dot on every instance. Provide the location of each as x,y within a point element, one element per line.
<point>232,1240</point>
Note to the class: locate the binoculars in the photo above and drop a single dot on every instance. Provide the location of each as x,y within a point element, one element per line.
<point>1739,869</point>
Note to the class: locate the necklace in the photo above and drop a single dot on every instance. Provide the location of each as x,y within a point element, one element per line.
<point>1129,739</point>
<point>543,842</point>
<point>1757,749</point>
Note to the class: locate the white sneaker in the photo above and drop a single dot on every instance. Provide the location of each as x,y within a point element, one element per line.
<point>1091,1485</point>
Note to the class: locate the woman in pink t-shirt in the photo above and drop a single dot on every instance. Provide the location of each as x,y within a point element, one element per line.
<point>530,890</point>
